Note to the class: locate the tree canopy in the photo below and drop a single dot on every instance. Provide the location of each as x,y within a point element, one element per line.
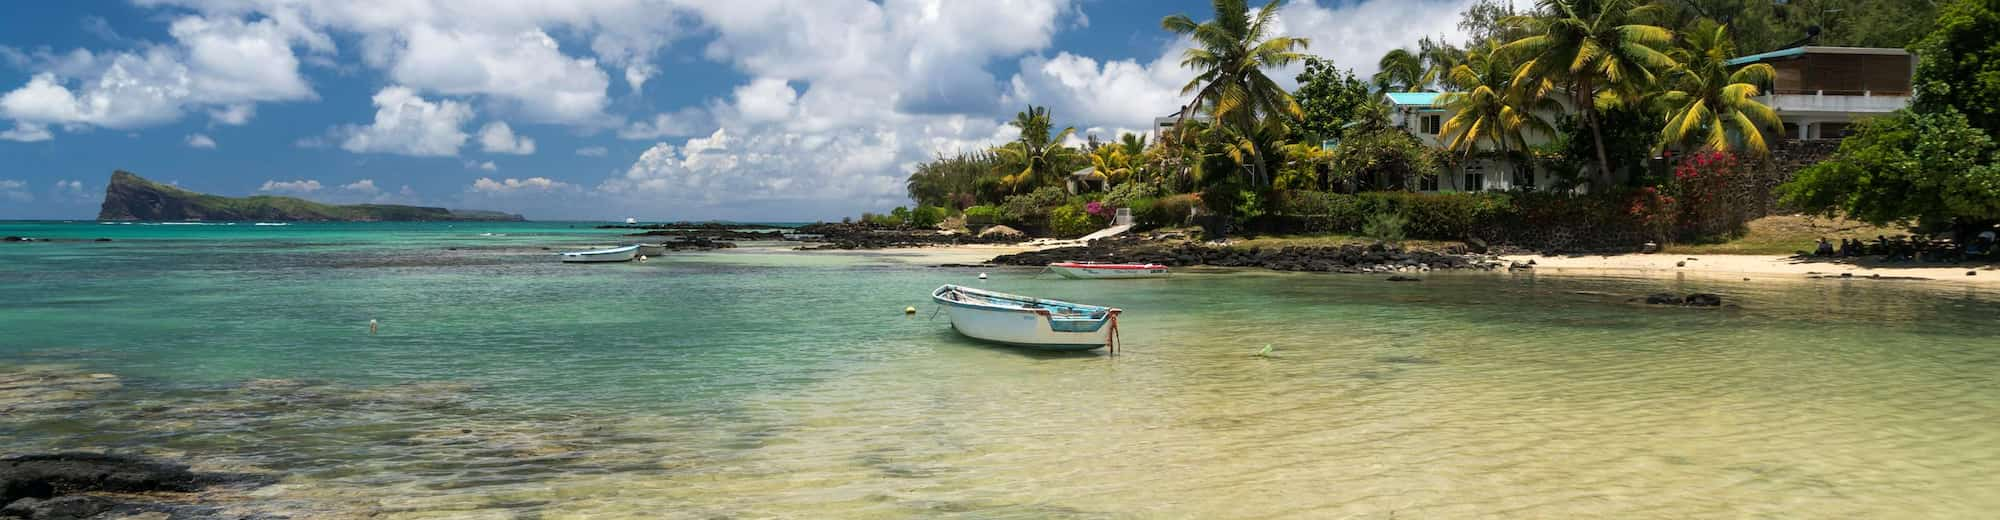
<point>1330,98</point>
<point>1933,167</point>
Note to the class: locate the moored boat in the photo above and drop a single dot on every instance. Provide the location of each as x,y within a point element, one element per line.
<point>616,254</point>
<point>1095,271</point>
<point>1026,321</point>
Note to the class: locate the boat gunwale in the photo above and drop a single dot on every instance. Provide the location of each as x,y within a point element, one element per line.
<point>938,296</point>
<point>601,252</point>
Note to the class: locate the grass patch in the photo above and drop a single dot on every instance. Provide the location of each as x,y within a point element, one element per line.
<point>1785,235</point>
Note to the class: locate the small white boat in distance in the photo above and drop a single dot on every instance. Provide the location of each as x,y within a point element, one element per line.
<point>1094,271</point>
<point>631,220</point>
<point>1027,322</point>
<point>616,254</point>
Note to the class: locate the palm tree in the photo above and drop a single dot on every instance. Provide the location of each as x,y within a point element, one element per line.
<point>1134,144</point>
<point>1439,59</point>
<point>1036,153</point>
<point>1710,106</point>
<point>1230,55</point>
<point>1399,70</point>
<point>1489,108</point>
<point>1597,51</point>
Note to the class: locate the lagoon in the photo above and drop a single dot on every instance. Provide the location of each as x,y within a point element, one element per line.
<point>763,382</point>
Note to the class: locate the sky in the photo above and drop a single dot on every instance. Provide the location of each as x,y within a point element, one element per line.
<point>750,110</point>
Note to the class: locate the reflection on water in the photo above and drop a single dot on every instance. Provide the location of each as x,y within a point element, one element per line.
<point>738,385</point>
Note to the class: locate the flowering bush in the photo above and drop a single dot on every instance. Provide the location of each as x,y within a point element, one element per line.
<point>1097,209</point>
<point>1655,211</point>
<point>1713,194</point>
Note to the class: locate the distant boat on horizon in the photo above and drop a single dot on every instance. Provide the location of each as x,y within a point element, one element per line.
<point>1099,271</point>
<point>631,220</point>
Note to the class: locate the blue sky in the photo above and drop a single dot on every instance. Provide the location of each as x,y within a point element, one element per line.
<point>599,109</point>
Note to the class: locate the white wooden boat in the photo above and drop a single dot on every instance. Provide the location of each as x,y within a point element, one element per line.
<point>652,250</point>
<point>1096,271</point>
<point>1027,322</point>
<point>616,254</point>
<point>631,220</point>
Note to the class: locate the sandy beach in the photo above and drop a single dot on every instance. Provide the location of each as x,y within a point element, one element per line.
<point>1735,267</point>
<point>1754,267</point>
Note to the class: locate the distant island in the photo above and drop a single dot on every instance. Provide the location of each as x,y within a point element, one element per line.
<point>131,197</point>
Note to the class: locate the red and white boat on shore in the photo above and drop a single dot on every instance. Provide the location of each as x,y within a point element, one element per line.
<point>1094,270</point>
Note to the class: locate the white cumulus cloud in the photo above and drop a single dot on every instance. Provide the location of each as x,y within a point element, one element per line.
<point>408,125</point>
<point>16,191</point>
<point>365,186</point>
<point>26,133</point>
<point>506,186</point>
<point>482,165</point>
<point>301,186</point>
<point>497,137</point>
<point>215,61</point>
<point>200,141</point>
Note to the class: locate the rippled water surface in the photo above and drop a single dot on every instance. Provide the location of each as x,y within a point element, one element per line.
<point>760,382</point>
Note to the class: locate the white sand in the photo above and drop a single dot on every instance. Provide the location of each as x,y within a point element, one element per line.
<point>1751,266</point>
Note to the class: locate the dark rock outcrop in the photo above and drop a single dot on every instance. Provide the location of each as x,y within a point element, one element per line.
<point>50,475</point>
<point>131,197</point>
<point>864,236</point>
<point>1691,300</point>
<point>73,486</point>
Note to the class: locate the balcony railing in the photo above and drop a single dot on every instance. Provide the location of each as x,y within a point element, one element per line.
<point>1846,101</point>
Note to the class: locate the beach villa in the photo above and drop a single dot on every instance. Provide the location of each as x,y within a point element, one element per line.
<point>1818,93</point>
<point>1423,114</point>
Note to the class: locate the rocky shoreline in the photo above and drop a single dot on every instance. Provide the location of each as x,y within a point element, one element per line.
<point>1376,258</point>
<point>847,236</point>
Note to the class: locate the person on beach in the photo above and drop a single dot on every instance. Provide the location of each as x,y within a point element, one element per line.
<point>1825,248</point>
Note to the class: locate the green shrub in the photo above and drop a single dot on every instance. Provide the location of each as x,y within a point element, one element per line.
<point>928,216</point>
<point>1071,221</point>
<point>1386,227</point>
<point>1032,209</point>
<point>1122,196</point>
<point>1168,211</point>
<point>981,216</point>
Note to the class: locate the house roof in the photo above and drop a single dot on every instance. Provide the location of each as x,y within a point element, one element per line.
<point>1087,173</point>
<point>1413,98</point>
<point>1814,49</point>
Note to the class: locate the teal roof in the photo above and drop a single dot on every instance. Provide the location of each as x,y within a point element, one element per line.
<point>1783,53</point>
<point>1414,98</point>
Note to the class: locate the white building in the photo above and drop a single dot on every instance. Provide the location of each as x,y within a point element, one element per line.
<point>1423,114</point>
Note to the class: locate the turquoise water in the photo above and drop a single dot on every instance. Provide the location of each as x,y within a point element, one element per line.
<point>764,382</point>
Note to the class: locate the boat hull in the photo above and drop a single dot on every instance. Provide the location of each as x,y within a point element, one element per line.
<point>1108,272</point>
<point>1026,328</point>
<point>620,254</point>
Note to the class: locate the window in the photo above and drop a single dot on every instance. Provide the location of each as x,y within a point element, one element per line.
<point>1427,183</point>
<point>1475,181</point>
<point>1524,177</point>
<point>1431,124</point>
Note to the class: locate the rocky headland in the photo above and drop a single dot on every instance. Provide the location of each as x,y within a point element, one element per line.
<point>131,197</point>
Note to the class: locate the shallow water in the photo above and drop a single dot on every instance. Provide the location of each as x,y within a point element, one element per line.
<point>760,382</point>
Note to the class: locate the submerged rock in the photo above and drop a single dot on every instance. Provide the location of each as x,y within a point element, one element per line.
<point>1702,300</point>
<point>1401,278</point>
<point>1691,300</point>
<point>50,475</point>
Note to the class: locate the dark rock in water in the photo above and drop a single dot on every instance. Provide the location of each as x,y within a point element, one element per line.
<point>48,475</point>
<point>1702,300</point>
<point>1663,299</point>
<point>65,485</point>
<point>102,240</point>
<point>1401,278</point>
<point>15,239</point>
<point>74,507</point>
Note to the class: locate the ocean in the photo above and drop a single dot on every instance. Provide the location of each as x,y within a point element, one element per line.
<point>762,382</point>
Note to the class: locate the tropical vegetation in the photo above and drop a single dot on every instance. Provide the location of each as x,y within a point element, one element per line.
<point>1585,90</point>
